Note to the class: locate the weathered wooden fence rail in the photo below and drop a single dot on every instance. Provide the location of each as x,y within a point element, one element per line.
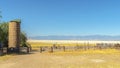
<point>25,49</point>
<point>77,47</point>
<point>4,50</point>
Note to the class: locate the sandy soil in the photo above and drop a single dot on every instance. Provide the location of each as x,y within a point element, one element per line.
<point>43,60</point>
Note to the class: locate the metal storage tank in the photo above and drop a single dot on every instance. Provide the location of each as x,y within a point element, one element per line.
<point>14,34</point>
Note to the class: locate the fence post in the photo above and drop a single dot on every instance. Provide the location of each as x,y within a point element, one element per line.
<point>40,49</point>
<point>51,49</point>
<point>88,46</point>
<point>76,47</point>
<point>100,47</point>
<point>94,47</point>
<point>28,50</point>
<point>64,48</point>
<point>85,48</point>
<point>1,51</point>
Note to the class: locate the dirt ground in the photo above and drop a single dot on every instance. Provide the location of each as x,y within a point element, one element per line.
<point>45,60</point>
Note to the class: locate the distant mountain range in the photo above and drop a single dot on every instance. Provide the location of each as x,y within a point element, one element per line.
<point>90,37</point>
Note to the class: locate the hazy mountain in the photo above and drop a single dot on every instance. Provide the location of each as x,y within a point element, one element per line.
<point>90,37</point>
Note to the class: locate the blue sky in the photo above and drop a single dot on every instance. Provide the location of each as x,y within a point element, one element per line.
<point>64,17</point>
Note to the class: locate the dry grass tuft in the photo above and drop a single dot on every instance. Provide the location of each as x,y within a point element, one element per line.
<point>5,57</point>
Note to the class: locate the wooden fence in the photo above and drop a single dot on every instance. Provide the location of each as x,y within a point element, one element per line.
<point>5,50</point>
<point>77,47</point>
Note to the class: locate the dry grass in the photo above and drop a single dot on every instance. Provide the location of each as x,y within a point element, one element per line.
<point>5,57</point>
<point>108,58</point>
<point>105,58</point>
<point>87,52</point>
<point>38,44</point>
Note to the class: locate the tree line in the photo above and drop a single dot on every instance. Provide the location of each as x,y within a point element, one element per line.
<point>4,27</point>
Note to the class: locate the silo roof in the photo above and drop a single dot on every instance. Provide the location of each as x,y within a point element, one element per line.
<point>16,20</point>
